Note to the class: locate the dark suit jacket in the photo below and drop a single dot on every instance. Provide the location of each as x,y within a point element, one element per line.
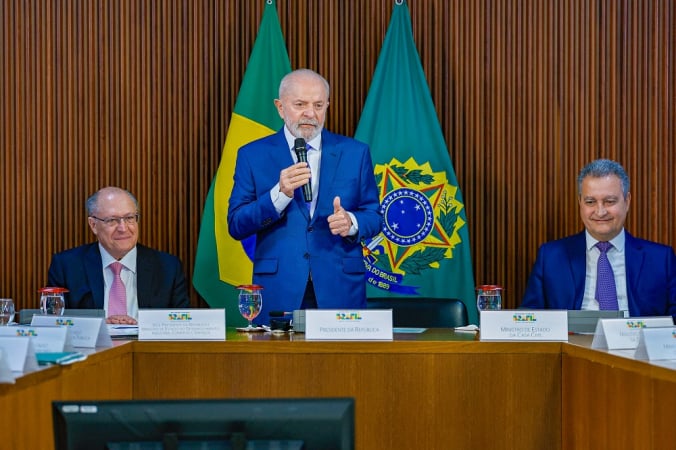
<point>160,279</point>
<point>290,245</point>
<point>558,276</point>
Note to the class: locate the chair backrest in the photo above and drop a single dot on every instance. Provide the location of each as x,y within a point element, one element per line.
<point>423,311</point>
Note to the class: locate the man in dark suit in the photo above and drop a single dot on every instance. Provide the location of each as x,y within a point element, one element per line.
<point>307,254</point>
<point>116,273</point>
<point>642,274</point>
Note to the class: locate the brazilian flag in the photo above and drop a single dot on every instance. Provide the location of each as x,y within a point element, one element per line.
<point>424,247</point>
<point>222,262</point>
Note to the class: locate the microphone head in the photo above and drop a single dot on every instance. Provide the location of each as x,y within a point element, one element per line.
<point>299,144</point>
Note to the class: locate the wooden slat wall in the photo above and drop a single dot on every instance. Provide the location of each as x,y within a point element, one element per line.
<point>139,94</point>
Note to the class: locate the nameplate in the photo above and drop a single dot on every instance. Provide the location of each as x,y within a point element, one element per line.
<point>347,325</point>
<point>20,353</point>
<point>45,339</point>
<point>88,332</point>
<point>524,325</point>
<point>656,344</point>
<point>620,334</point>
<point>6,375</point>
<point>181,325</point>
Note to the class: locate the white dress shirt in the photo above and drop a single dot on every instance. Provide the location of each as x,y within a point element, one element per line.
<point>616,257</point>
<point>128,275</point>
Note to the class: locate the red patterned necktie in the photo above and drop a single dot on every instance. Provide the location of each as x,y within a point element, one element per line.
<point>117,298</point>
<point>606,292</point>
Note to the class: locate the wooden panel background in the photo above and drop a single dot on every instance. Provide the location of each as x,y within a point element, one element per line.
<point>139,94</point>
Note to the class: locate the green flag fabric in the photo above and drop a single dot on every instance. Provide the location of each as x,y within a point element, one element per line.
<point>222,263</point>
<point>423,249</point>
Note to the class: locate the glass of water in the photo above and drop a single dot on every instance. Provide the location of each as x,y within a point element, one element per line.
<point>489,297</point>
<point>6,311</point>
<point>52,300</point>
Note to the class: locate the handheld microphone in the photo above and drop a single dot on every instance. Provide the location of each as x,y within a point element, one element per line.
<point>301,153</point>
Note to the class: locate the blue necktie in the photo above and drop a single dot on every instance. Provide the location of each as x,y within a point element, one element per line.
<point>606,292</point>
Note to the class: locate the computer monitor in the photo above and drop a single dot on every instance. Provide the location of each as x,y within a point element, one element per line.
<point>238,424</point>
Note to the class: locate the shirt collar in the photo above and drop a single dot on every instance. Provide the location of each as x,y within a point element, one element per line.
<point>315,142</point>
<point>618,241</point>
<point>128,260</point>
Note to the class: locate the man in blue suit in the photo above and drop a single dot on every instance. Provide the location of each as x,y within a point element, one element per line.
<point>307,254</point>
<point>149,278</point>
<point>565,272</point>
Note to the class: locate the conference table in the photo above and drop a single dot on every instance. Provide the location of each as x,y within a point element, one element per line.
<point>433,390</point>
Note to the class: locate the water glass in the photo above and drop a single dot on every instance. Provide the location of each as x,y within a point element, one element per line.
<point>6,311</point>
<point>489,297</point>
<point>52,300</point>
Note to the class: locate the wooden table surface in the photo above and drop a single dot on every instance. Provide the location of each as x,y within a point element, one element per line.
<point>435,390</point>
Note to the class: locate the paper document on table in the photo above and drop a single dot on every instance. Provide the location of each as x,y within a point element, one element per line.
<point>122,330</point>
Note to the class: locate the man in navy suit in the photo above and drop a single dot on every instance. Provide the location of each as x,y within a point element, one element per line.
<point>564,275</point>
<point>307,254</point>
<point>150,278</point>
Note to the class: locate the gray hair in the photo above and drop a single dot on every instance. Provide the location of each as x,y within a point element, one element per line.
<point>602,168</point>
<point>91,205</point>
<point>289,78</point>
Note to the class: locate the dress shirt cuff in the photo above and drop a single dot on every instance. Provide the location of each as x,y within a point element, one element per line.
<point>354,229</point>
<point>279,199</point>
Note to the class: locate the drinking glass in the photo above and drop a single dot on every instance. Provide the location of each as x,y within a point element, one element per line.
<point>489,297</point>
<point>250,303</point>
<point>52,300</point>
<point>6,311</point>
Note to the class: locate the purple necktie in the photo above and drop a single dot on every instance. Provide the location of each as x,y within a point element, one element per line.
<point>117,298</point>
<point>606,293</point>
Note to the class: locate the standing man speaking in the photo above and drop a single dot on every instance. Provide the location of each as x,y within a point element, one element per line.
<point>309,218</point>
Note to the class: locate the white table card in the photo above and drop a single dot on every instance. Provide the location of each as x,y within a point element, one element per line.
<point>89,332</point>
<point>524,325</point>
<point>656,344</point>
<point>362,324</point>
<point>6,375</point>
<point>618,334</point>
<point>45,339</point>
<point>181,325</point>
<point>20,353</point>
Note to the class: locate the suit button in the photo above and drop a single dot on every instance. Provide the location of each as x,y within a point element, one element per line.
<point>310,229</point>
<point>306,256</point>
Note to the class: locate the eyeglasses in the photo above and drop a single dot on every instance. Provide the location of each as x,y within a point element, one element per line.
<point>131,219</point>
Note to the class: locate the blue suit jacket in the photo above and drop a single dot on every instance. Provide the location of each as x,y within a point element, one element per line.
<point>160,279</point>
<point>558,276</point>
<point>290,245</point>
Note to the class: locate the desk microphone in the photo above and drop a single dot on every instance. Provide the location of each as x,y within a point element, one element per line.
<point>301,153</point>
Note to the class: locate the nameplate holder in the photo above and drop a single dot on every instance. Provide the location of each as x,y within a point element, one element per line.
<point>348,325</point>
<point>622,334</point>
<point>524,325</point>
<point>6,375</point>
<point>181,324</point>
<point>88,332</point>
<point>20,353</point>
<point>45,339</point>
<point>656,344</point>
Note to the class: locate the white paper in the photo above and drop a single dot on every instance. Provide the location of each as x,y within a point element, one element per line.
<point>615,334</point>
<point>45,339</point>
<point>181,324</point>
<point>88,332</point>
<point>524,325</point>
<point>363,324</point>
<point>6,375</point>
<point>20,353</point>
<point>656,344</point>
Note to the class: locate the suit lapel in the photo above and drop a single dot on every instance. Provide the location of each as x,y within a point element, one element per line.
<point>144,277</point>
<point>94,271</point>
<point>331,154</point>
<point>633,258</point>
<point>577,255</point>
